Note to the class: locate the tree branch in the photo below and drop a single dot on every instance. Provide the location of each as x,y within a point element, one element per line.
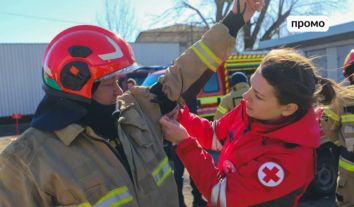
<point>260,21</point>
<point>276,24</point>
<point>198,12</point>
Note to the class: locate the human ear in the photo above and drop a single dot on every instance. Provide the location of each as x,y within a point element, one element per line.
<point>289,109</point>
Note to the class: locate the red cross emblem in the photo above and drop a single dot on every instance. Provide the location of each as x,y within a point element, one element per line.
<point>228,167</point>
<point>270,174</point>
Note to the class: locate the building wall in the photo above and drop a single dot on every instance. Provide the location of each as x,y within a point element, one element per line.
<point>150,54</point>
<point>331,57</point>
<point>21,79</point>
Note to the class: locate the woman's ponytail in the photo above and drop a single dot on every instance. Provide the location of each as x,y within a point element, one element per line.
<point>327,94</point>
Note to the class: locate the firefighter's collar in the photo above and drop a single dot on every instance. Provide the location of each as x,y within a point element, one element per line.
<point>69,133</point>
<point>238,86</point>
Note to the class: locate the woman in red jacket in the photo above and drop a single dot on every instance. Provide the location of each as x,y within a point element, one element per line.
<point>267,143</point>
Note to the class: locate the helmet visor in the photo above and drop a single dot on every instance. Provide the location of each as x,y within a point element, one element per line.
<point>123,70</point>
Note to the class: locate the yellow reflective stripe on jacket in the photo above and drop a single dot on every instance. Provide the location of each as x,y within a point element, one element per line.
<point>347,118</point>
<point>87,204</point>
<point>209,100</point>
<point>336,142</point>
<point>162,171</point>
<point>331,114</point>
<point>206,115</point>
<point>116,197</point>
<point>206,55</point>
<point>346,164</point>
<point>222,110</point>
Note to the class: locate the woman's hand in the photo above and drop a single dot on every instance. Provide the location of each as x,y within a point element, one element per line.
<point>173,130</point>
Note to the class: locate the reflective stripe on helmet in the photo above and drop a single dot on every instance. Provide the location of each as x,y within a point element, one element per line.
<point>113,55</point>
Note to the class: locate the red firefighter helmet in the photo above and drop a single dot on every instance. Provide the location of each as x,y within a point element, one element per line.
<point>82,55</point>
<point>349,66</point>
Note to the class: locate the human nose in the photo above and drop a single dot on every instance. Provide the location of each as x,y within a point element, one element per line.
<point>246,95</point>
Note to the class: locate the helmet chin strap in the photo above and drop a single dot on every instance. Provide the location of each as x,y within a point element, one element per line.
<point>95,86</point>
<point>351,81</point>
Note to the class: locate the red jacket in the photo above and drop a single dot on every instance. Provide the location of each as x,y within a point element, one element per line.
<point>266,164</point>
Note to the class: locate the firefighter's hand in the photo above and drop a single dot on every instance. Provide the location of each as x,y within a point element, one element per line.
<point>173,130</point>
<point>251,7</point>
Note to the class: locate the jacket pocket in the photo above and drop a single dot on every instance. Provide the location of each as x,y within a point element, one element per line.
<point>345,187</point>
<point>134,129</point>
<point>142,138</point>
<point>65,198</point>
<point>91,180</point>
<point>94,194</point>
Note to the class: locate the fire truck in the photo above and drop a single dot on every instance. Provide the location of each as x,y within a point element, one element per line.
<point>218,85</point>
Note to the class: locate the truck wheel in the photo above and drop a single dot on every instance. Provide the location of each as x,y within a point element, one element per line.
<point>325,181</point>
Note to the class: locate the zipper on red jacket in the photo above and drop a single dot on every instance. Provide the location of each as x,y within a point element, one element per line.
<point>115,152</point>
<point>247,129</point>
<point>263,140</point>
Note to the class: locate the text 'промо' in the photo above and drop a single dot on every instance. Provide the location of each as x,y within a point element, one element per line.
<point>308,23</point>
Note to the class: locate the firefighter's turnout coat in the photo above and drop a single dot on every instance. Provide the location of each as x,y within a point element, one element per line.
<point>338,124</point>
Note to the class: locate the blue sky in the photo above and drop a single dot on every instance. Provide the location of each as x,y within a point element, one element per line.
<point>40,20</point>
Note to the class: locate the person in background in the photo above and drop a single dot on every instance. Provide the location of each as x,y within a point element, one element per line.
<point>337,123</point>
<point>267,142</point>
<point>239,84</point>
<point>89,143</point>
<point>179,169</point>
<point>131,82</point>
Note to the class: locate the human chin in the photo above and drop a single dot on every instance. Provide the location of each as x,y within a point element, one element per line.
<point>249,111</point>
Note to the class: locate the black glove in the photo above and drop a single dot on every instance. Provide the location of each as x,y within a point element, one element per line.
<point>166,105</point>
<point>234,22</point>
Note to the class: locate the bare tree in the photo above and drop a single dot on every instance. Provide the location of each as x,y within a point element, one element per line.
<point>269,23</point>
<point>119,16</point>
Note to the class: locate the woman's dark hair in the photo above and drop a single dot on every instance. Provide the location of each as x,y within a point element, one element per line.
<point>294,79</point>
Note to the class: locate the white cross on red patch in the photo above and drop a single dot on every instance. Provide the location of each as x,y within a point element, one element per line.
<point>270,174</point>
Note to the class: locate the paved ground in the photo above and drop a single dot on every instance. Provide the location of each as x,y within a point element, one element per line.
<point>305,201</point>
